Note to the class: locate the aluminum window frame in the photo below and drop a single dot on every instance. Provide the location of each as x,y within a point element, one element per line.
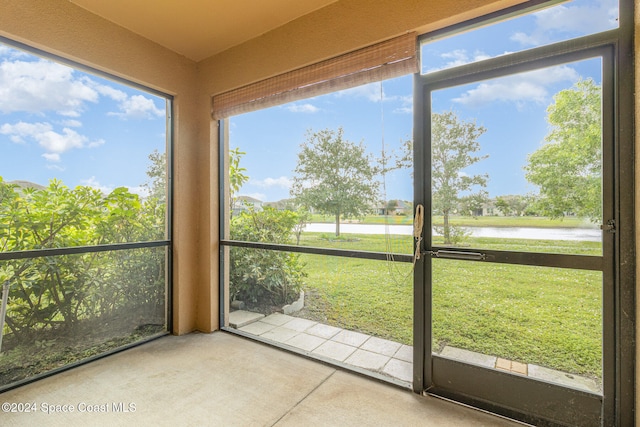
<point>223,262</point>
<point>74,250</point>
<point>619,403</point>
<point>624,202</point>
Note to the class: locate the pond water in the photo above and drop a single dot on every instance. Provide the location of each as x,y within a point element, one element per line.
<point>579,234</point>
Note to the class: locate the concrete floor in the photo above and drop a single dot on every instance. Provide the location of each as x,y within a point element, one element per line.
<point>223,380</point>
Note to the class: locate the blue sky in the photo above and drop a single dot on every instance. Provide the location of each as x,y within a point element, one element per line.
<point>512,109</point>
<point>57,122</point>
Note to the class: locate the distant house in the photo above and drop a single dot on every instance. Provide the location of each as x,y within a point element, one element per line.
<point>394,207</point>
<point>487,209</point>
<point>242,203</point>
<point>404,208</point>
<point>281,205</point>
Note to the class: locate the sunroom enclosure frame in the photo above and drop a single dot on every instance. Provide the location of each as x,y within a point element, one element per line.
<point>67,30</point>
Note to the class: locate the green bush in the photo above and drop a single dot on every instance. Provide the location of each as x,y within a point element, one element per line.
<point>61,291</point>
<point>265,276</point>
<point>457,234</point>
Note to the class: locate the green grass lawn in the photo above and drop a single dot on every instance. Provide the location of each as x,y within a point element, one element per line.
<point>546,316</point>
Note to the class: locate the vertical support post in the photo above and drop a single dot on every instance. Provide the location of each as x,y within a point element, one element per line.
<point>3,308</point>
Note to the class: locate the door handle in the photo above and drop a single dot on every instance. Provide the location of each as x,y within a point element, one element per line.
<point>470,256</point>
<point>609,227</point>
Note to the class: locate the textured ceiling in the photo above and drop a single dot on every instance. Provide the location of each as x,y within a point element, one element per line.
<point>199,29</point>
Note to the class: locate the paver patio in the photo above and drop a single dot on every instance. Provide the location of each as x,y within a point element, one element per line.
<point>378,355</point>
<point>353,348</point>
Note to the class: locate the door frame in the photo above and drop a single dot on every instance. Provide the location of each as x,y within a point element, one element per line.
<point>617,402</point>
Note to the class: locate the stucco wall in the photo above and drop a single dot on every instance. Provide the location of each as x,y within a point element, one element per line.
<point>338,28</point>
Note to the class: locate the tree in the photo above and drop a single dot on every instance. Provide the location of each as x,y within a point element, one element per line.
<point>405,159</point>
<point>335,176</point>
<point>567,168</point>
<point>237,175</point>
<point>512,205</point>
<point>391,207</point>
<point>473,204</point>
<point>304,216</point>
<point>453,143</point>
<point>157,173</point>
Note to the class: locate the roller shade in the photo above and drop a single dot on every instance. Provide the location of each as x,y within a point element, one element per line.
<point>384,60</point>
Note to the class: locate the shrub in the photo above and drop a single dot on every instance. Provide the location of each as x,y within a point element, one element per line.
<point>457,234</point>
<point>265,276</point>
<point>52,292</point>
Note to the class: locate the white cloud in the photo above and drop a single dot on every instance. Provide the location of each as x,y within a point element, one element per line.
<point>519,88</point>
<point>96,143</point>
<point>40,86</point>
<point>93,183</point>
<point>52,157</point>
<point>10,52</point>
<point>283,182</point>
<point>21,130</point>
<point>303,108</point>
<point>459,57</point>
<point>406,106</point>
<point>72,123</point>
<point>370,91</point>
<point>403,110</point>
<point>108,91</point>
<point>138,107</point>
<point>55,167</point>
<point>526,39</point>
<point>54,143</point>
<point>134,107</point>
<point>25,128</point>
<point>107,189</point>
<point>580,19</point>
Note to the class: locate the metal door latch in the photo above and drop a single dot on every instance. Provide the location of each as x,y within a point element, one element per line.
<point>609,227</point>
<point>469,256</point>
